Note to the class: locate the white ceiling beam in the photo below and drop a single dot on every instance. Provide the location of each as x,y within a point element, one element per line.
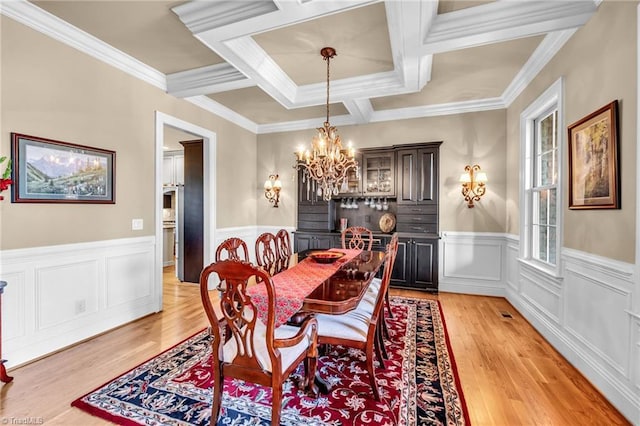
<point>408,23</point>
<point>201,17</point>
<point>206,80</point>
<point>361,110</point>
<point>504,20</point>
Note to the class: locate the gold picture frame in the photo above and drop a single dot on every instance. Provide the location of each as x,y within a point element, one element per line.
<point>594,179</point>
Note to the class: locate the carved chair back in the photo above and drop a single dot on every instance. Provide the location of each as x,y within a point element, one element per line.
<point>283,248</point>
<point>357,237</point>
<point>232,248</point>
<point>266,252</point>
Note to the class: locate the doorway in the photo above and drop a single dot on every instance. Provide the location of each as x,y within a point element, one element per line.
<point>166,124</point>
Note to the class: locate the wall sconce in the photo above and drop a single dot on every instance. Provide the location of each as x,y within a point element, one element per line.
<point>272,187</point>
<point>473,184</point>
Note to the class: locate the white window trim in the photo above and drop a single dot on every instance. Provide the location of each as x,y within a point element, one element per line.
<point>553,95</point>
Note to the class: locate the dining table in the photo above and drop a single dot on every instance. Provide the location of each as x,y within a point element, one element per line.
<point>310,286</point>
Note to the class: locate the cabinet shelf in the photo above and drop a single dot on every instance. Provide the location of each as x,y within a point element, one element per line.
<point>379,173</point>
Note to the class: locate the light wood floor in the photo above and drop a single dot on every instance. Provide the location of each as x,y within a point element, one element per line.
<point>510,375</point>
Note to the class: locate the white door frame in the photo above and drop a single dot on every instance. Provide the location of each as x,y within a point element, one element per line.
<point>209,191</point>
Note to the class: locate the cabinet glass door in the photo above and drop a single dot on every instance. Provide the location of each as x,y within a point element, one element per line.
<point>378,174</point>
<point>352,185</point>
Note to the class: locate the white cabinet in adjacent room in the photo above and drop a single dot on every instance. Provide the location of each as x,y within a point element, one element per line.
<point>168,245</point>
<point>173,169</point>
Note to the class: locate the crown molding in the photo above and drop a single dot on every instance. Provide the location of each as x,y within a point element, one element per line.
<point>547,49</point>
<point>439,109</point>
<point>42,21</point>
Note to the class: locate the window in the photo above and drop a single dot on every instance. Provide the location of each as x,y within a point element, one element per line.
<point>544,188</point>
<point>540,225</point>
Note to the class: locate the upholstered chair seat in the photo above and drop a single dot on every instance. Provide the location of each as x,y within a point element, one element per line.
<point>288,355</point>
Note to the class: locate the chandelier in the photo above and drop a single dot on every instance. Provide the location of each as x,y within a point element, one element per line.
<point>328,162</point>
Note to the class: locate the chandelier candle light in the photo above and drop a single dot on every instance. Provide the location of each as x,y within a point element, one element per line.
<point>328,163</point>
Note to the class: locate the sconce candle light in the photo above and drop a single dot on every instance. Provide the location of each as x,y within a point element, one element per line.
<point>272,187</point>
<point>473,184</point>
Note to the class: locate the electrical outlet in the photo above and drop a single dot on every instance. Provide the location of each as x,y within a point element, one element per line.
<point>367,219</point>
<point>137,224</point>
<point>81,306</point>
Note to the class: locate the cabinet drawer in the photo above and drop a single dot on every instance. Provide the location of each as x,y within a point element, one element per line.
<point>320,208</point>
<point>313,226</point>
<point>430,228</point>
<point>415,218</point>
<point>314,217</point>
<point>408,209</point>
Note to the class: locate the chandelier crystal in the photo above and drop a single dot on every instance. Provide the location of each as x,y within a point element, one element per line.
<point>328,163</point>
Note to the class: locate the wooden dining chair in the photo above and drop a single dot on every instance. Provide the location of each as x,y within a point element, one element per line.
<point>375,288</point>
<point>358,328</point>
<point>357,237</point>
<point>232,248</point>
<point>266,252</point>
<point>255,352</point>
<point>283,250</point>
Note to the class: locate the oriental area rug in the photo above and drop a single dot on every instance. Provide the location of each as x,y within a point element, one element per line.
<point>419,386</point>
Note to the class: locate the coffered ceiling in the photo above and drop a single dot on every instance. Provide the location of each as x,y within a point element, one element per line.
<point>258,63</point>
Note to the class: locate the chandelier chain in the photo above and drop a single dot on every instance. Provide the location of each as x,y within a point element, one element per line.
<point>328,59</point>
<point>328,162</point>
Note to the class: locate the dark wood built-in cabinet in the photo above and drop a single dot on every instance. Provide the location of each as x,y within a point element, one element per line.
<point>416,264</point>
<point>313,211</point>
<point>191,248</point>
<point>418,176</point>
<point>308,240</point>
<point>406,177</point>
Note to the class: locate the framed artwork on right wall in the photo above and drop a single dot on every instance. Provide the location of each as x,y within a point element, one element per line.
<point>594,175</point>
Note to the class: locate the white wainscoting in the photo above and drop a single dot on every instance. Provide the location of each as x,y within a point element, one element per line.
<point>59,295</point>
<point>472,263</point>
<point>586,315</point>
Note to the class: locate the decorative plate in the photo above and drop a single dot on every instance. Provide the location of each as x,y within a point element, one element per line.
<point>326,256</point>
<point>387,222</point>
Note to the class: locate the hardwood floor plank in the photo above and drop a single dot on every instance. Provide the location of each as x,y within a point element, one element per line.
<point>509,374</point>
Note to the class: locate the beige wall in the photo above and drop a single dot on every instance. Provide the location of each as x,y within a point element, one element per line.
<point>467,139</point>
<point>599,65</point>
<point>53,91</point>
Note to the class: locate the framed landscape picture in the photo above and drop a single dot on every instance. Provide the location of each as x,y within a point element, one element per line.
<point>594,180</point>
<point>48,171</point>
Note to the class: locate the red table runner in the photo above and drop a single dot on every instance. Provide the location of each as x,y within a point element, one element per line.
<point>294,284</point>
